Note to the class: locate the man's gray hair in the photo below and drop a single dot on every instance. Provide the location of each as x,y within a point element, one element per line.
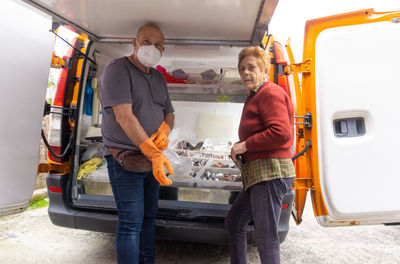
<point>153,25</point>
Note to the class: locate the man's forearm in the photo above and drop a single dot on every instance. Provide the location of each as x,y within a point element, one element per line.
<point>129,123</point>
<point>134,130</point>
<point>170,120</point>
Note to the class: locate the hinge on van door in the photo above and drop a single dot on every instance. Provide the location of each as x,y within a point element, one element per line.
<point>302,67</point>
<point>307,120</point>
<point>303,183</point>
<point>62,168</point>
<point>59,110</point>
<point>57,62</point>
<point>307,123</point>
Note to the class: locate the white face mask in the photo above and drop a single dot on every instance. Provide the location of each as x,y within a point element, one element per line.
<point>148,55</point>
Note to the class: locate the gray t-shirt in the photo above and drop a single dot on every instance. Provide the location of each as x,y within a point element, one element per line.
<point>123,83</point>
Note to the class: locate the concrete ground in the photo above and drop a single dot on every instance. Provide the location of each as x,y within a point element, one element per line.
<point>31,238</point>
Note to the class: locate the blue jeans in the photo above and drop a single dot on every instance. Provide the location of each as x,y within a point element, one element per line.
<point>136,198</point>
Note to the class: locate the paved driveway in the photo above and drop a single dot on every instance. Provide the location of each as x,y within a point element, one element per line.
<point>31,238</point>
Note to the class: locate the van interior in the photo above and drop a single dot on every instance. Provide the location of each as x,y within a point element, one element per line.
<point>207,96</point>
<point>200,66</point>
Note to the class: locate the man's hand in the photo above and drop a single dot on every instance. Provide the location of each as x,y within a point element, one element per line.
<point>158,159</point>
<point>238,148</point>
<point>160,138</point>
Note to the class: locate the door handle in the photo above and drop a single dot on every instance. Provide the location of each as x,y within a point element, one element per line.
<point>306,147</point>
<point>349,127</point>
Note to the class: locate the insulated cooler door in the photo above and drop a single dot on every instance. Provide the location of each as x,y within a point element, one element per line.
<point>26,48</point>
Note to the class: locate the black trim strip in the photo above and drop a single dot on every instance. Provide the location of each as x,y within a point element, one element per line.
<point>72,179</point>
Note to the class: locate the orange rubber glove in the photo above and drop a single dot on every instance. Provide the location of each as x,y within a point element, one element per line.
<point>160,138</point>
<point>158,159</point>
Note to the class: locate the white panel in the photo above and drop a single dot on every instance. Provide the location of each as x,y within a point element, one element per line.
<point>357,75</point>
<point>200,56</point>
<point>215,126</point>
<point>187,113</point>
<point>24,68</point>
<point>186,57</point>
<point>187,19</point>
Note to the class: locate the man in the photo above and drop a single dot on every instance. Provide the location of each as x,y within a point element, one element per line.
<point>136,104</point>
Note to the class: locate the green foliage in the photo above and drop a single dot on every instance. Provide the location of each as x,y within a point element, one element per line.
<point>50,83</point>
<point>38,203</point>
<point>52,79</point>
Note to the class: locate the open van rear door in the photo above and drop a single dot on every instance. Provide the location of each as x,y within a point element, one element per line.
<point>26,49</point>
<point>352,91</point>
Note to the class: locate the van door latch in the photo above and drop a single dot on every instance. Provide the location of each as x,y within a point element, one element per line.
<point>307,120</point>
<point>302,67</point>
<point>59,110</point>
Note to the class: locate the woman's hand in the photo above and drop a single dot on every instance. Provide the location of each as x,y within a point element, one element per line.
<point>238,148</point>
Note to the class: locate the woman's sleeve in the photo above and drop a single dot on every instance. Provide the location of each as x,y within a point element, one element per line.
<point>274,113</point>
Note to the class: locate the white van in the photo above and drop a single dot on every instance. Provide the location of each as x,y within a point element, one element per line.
<point>345,111</point>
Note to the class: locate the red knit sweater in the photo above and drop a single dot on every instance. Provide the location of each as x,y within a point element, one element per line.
<point>267,124</point>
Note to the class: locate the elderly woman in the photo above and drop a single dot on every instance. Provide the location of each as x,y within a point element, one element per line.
<point>264,157</point>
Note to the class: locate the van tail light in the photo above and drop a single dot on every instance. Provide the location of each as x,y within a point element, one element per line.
<point>55,189</point>
<point>57,124</point>
<point>56,117</point>
<point>284,206</point>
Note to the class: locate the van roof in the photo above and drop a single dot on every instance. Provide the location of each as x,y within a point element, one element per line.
<point>210,22</point>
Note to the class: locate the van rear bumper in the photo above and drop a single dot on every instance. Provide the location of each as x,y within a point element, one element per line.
<point>167,229</point>
<point>62,214</point>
